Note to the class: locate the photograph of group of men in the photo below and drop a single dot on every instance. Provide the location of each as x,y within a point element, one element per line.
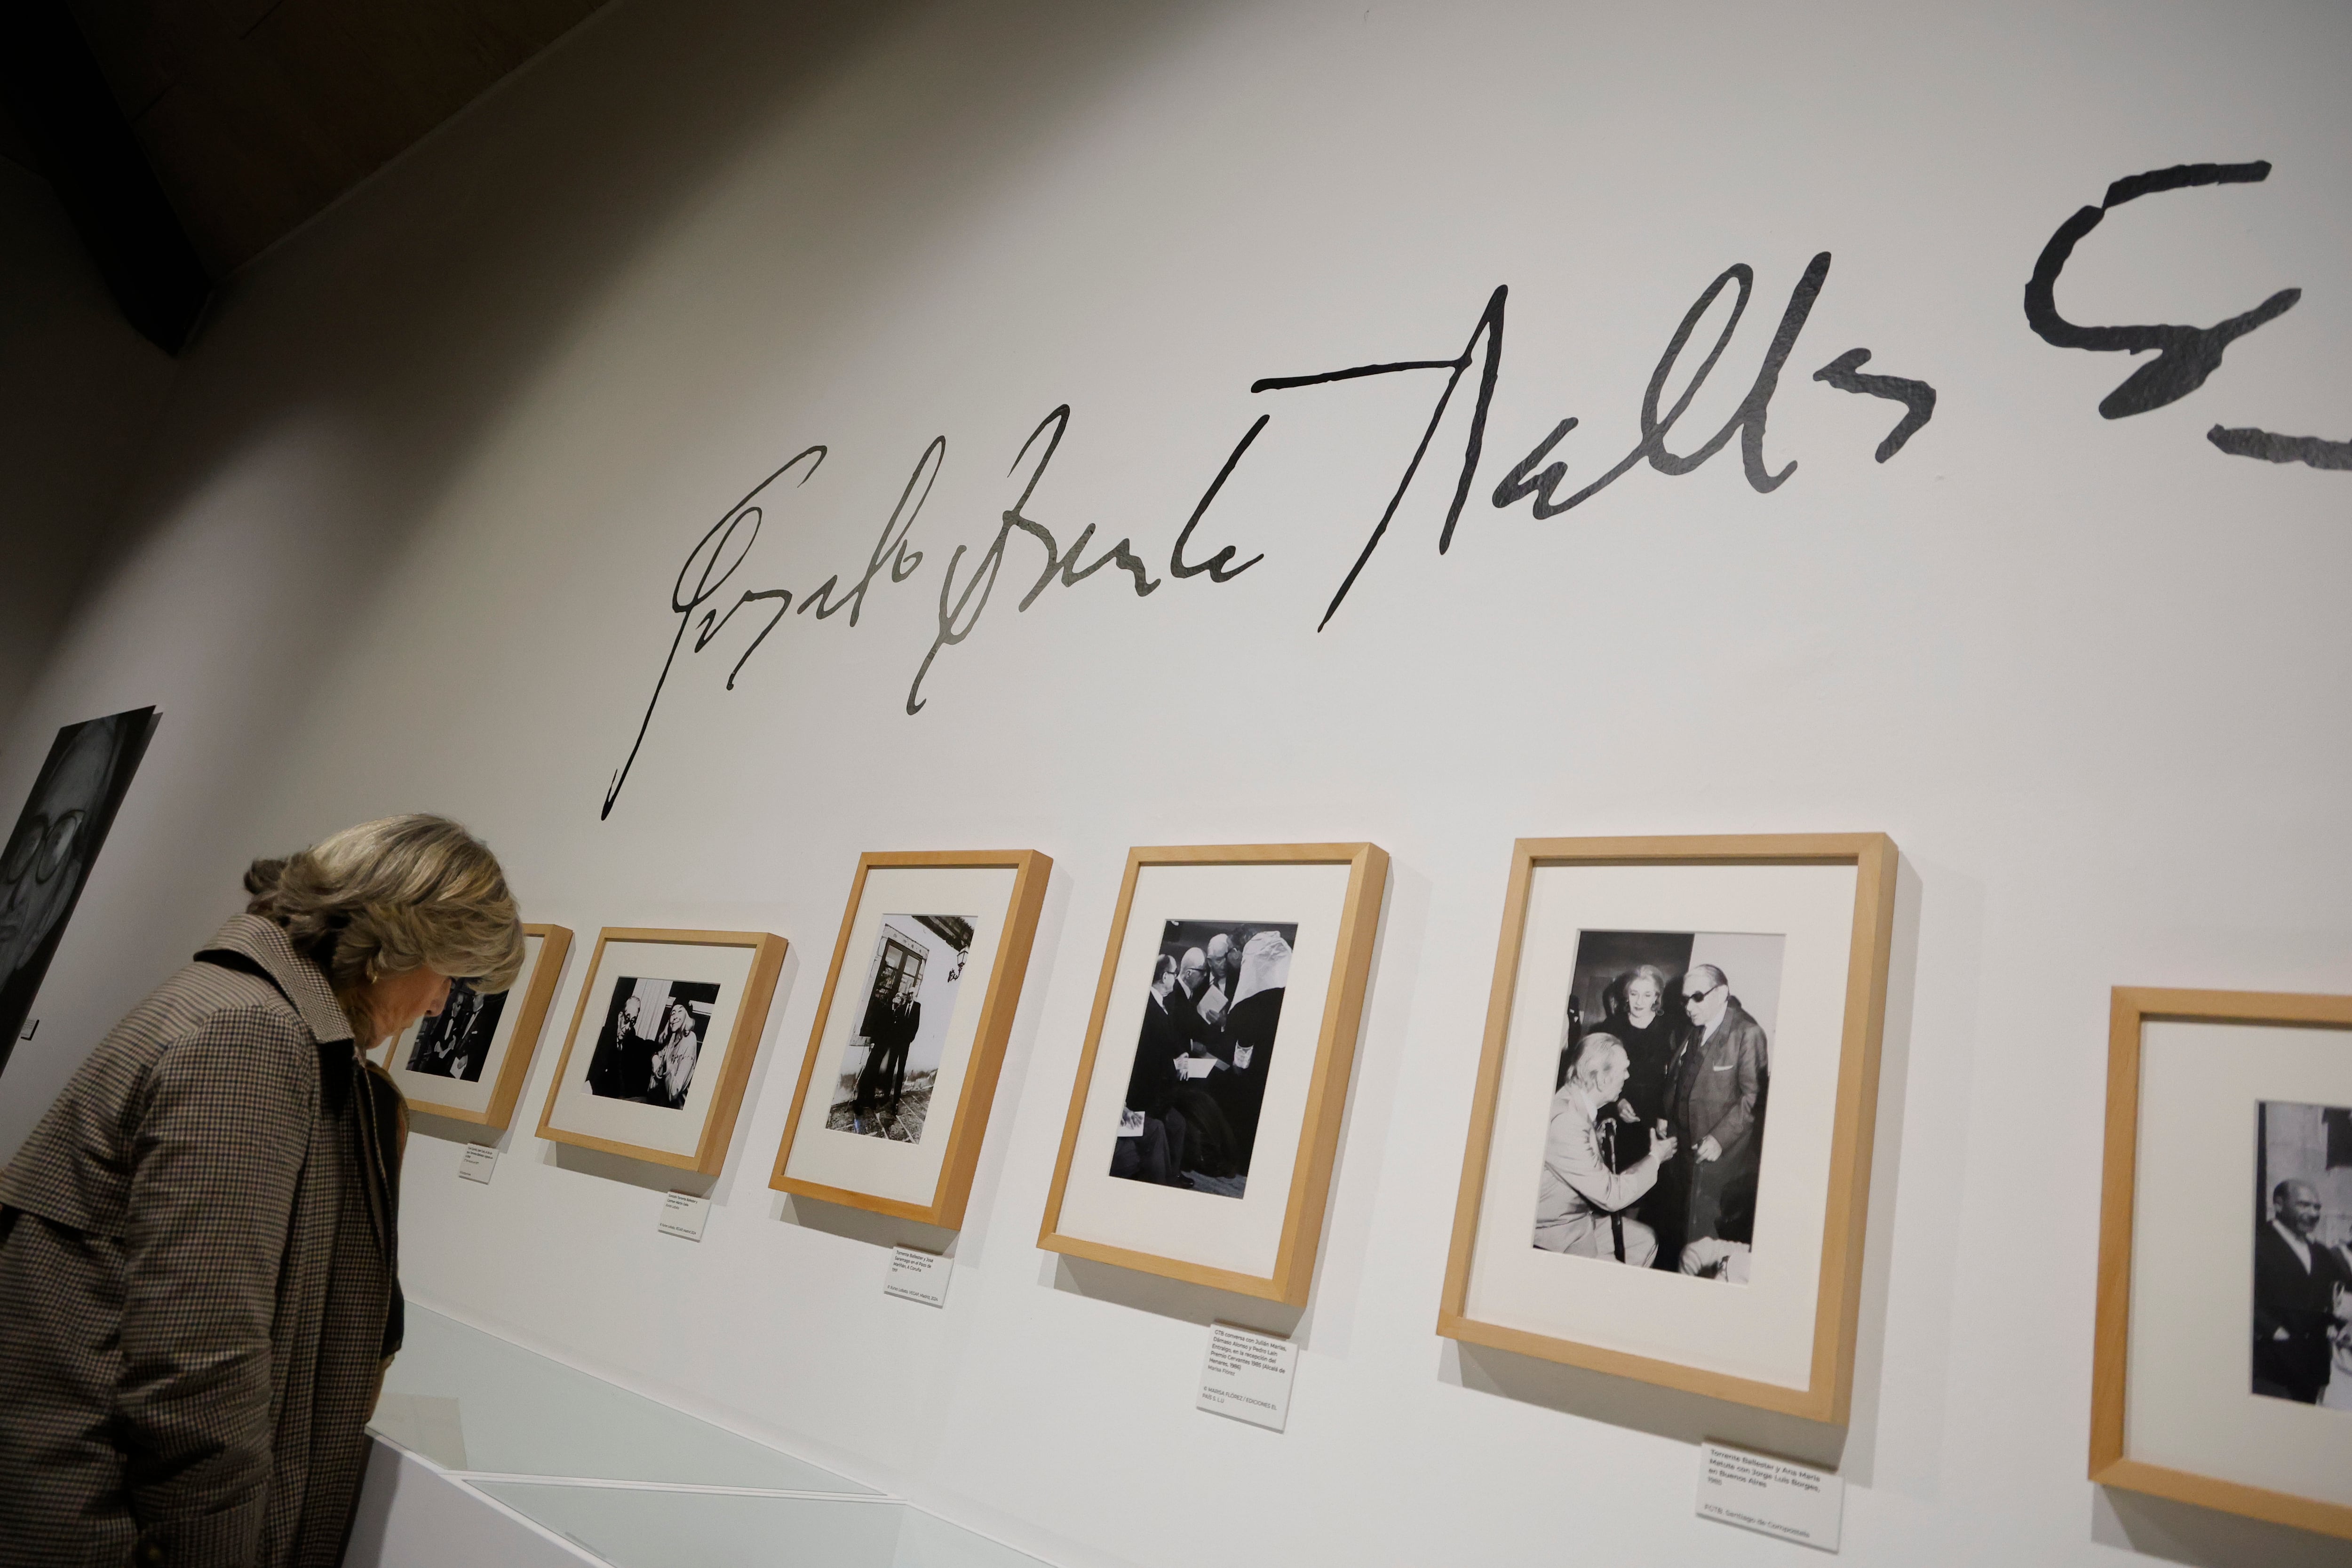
<point>2303,1252</point>
<point>653,1037</point>
<point>1656,1123</point>
<point>455,1041</point>
<point>1198,1079</point>
<point>882,1088</point>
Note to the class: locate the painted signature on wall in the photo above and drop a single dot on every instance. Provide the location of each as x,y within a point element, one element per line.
<point>2186,357</point>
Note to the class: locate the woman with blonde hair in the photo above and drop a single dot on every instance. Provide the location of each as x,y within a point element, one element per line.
<point>199,1243</point>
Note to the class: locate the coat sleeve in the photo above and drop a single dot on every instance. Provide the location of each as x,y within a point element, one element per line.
<point>221,1132</point>
<point>1747,1068</point>
<point>1574,1160</point>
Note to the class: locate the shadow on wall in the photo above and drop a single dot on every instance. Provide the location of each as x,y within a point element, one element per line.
<point>355,378</point>
<point>80,392</point>
<point>410,314</point>
<point>2183,1532</point>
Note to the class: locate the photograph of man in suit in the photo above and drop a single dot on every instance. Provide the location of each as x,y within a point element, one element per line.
<point>1716,1109</point>
<point>2302,1298</point>
<point>892,1022</point>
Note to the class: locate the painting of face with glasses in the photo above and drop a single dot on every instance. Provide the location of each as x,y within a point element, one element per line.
<point>49,854</point>
<point>1656,1128</point>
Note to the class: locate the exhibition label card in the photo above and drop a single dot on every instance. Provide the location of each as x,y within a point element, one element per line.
<point>684,1215</point>
<point>479,1162</point>
<point>1771,1497</point>
<point>1248,1376</point>
<point>917,1277</point>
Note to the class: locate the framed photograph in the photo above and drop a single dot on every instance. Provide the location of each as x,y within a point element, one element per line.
<point>468,1062</point>
<point>2222,1372</point>
<point>1206,1113</point>
<point>56,838</point>
<point>1668,1167</point>
<point>662,1043</point>
<point>902,1062</point>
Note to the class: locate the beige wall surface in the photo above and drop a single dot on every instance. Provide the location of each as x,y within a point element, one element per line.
<point>409,533</point>
<point>79,394</point>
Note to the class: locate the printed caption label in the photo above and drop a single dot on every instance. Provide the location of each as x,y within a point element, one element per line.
<point>479,1163</point>
<point>917,1277</point>
<point>1247,1376</point>
<point>684,1215</point>
<point>1771,1497</point>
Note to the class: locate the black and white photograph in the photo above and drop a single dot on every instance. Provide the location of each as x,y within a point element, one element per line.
<point>56,838</point>
<point>652,1038</point>
<point>1198,1079</point>
<point>1656,1124</point>
<point>455,1041</point>
<point>2303,1252</point>
<point>887,1070</point>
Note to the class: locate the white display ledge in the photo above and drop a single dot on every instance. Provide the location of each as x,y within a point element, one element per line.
<point>491,1453</point>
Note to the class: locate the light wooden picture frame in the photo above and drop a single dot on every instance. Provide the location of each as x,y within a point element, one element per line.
<point>1773,1323</point>
<point>510,1041</point>
<point>2175,1409</point>
<point>1312,909</point>
<point>914,1166</point>
<point>724,981</point>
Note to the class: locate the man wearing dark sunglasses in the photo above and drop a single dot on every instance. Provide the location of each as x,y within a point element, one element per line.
<point>1719,1077</point>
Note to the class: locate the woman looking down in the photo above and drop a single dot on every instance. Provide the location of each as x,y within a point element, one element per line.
<point>199,1241</point>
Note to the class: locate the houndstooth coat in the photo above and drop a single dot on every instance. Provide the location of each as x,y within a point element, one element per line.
<point>198,1280</point>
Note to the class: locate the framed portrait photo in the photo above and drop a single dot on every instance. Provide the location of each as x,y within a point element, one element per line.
<point>1206,1113</point>
<point>902,1062</point>
<point>2222,1370</point>
<point>1668,1166</point>
<point>662,1043</point>
<point>55,845</point>
<point>468,1062</point>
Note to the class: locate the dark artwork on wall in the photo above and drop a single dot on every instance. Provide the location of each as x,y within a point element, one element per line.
<point>56,841</point>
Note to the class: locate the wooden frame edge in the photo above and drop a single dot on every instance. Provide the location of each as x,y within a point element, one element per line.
<point>1292,1277</point>
<point>752,1017</point>
<point>1845,1222</point>
<point>1722,1385</point>
<point>530,1020</point>
<point>2129,1009</point>
<point>1335,1062</point>
<point>538,999</point>
<point>1827,1396</point>
<point>1031,870</point>
<point>2227,1496</point>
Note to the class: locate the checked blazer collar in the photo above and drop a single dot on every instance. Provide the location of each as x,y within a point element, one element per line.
<point>263,944</point>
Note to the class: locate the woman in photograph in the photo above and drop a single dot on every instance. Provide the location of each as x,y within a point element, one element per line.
<point>199,1241</point>
<point>1649,1041</point>
<point>673,1068</point>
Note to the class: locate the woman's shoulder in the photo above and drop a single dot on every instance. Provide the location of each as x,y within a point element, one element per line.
<point>234,1031</point>
<point>205,996</point>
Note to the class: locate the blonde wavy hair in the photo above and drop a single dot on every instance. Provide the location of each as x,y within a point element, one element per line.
<point>390,896</point>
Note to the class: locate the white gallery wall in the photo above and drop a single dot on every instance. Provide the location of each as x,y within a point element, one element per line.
<point>409,533</point>
<point>79,394</point>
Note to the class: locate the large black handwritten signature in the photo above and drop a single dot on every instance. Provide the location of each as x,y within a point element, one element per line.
<point>721,551</point>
